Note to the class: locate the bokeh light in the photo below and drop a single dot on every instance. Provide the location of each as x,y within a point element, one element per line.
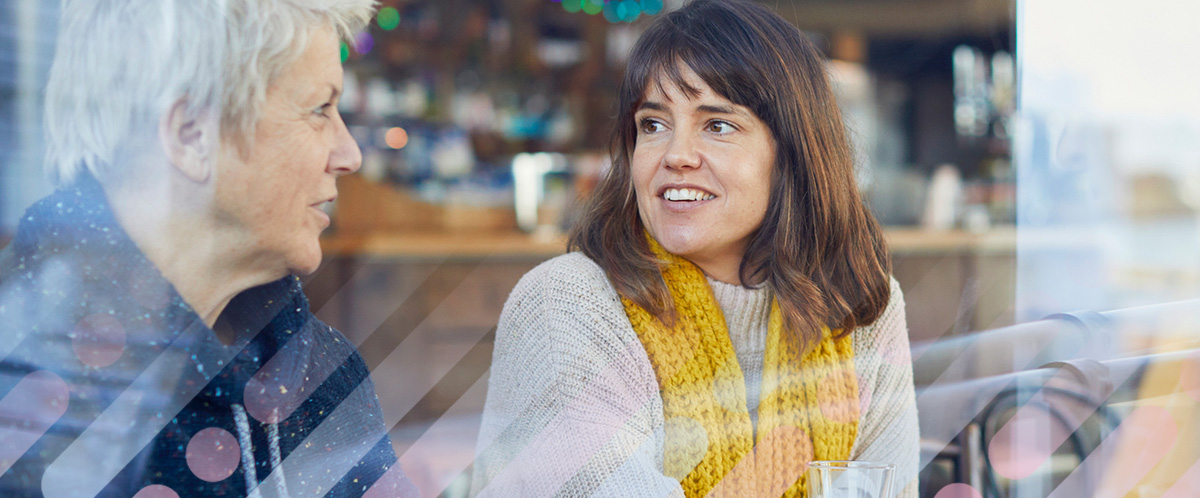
<point>628,10</point>
<point>1012,455</point>
<point>156,491</point>
<point>839,404</point>
<point>34,405</point>
<point>610,12</point>
<point>213,454</point>
<point>98,340</point>
<point>396,138</point>
<point>651,7</point>
<point>148,288</point>
<point>615,11</point>
<point>363,42</point>
<point>958,490</point>
<point>388,18</point>
<point>345,51</point>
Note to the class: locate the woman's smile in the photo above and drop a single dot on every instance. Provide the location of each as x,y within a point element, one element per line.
<point>701,170</point>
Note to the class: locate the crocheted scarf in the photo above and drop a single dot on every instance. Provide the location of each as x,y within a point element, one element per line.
<point>808,411</point>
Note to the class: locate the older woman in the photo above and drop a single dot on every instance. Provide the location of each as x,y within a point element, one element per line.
<point>156,341</point>
<point>729,315</point>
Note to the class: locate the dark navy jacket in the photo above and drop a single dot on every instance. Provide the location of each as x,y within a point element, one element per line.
<point>111,385</point>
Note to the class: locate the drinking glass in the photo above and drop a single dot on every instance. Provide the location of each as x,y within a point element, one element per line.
<point>849,479</point>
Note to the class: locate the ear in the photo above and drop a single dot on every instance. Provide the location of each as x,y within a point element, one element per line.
<point>190,142</point>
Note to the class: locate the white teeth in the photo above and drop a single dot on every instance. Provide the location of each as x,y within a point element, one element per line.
<point>685,194</point>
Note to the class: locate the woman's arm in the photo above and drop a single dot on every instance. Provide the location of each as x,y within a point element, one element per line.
<point>573,407</point>
<point>888,430</point>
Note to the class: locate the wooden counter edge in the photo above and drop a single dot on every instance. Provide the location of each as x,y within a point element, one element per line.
<point>518,245</point>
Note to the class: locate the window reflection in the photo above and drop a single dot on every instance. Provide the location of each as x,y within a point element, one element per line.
<point>1068,185</point>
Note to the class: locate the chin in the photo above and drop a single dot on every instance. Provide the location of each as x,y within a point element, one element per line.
<point>679,242</point>
<point>305,263</point>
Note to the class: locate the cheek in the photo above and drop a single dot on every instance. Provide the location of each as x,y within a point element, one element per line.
<point>641,175</point>
<point>756,196</point>
<point>640,167</point>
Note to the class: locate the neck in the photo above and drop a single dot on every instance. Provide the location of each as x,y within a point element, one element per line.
<point>725,269</point>
<point>206,265</point>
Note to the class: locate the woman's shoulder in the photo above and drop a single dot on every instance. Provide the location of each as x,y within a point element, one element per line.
<point>891,325</point>
<point>570,287</point>
<point>566,308</point>
<point>565,266</point>
<point>569,275</point>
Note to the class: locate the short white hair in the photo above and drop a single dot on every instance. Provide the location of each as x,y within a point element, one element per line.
<point>121,63</point>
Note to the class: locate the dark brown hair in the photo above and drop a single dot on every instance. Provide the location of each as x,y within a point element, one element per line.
<point>819,249</point>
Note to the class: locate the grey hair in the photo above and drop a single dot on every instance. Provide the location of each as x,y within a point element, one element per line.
<point>121,63</point>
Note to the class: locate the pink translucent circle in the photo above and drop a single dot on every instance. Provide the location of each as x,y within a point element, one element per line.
<point>156,491</point>
<point>1025,442</point>
<point>213,454</point>
<point>864,397</point>
<point>897,356</point>
<point>268,400</point>
<point>1189,375</point>
<point>958,490</point>
<point>149,289</point>
<point>390,485</point>
<point>99,340</point>
<point>34,404</point>
<point>837,403</point>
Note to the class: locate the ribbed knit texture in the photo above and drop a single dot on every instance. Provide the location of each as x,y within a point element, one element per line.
<point>704,394</point>
<point>747,312</point>
<point>573,404</point>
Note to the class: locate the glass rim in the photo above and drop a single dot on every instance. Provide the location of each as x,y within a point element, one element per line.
<point>850,464</point>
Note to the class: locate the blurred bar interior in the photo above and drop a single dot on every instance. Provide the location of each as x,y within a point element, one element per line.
<point>1025,164</point>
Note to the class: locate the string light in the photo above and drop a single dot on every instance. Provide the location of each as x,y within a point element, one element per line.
<point>388,18</point>
<point>614,10</point>
<point>610,11</point>
<point>573,6</point>
<point>363,42</point>
<point>396,138</point>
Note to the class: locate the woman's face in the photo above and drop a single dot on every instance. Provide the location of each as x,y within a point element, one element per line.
<point>271,199</point>
<point>702,174</point>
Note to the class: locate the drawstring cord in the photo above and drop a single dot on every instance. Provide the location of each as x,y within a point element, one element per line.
<point>276,460</point>
<point>248,465</point>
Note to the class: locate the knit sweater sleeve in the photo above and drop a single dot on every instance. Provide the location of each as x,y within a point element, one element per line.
<point>572,409</point>
<point>887,430</point>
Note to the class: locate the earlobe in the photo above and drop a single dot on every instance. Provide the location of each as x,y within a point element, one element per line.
<point>188,141</point>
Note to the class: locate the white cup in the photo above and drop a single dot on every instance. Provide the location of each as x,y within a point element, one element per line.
<point>849,479</point>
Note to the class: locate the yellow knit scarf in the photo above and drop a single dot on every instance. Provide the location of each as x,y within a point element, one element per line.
<point>809,406</point>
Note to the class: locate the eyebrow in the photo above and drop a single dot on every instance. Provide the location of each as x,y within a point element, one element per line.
<point>334,92</point>
<point>651,105</point>
<point>718,109</point>
<point>707,108</point>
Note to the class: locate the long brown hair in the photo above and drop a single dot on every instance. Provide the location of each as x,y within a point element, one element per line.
<point>819,249</point>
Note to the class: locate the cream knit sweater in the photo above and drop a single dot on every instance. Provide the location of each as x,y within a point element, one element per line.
<point>573,407</point>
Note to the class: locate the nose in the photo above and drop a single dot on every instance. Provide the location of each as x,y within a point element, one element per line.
<point>346,157</point>
<point>681,152</point>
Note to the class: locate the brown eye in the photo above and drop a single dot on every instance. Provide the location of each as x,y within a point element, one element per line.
<point>648,126</point>
<point>721,127</point>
